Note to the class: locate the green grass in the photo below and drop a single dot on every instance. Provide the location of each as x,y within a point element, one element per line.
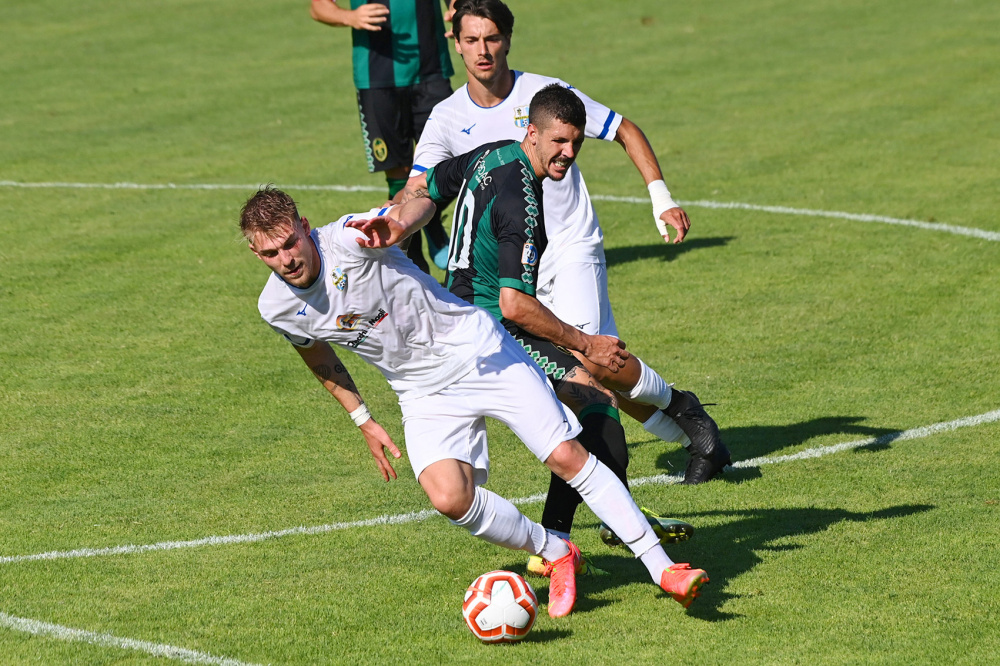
<point>143,401</point>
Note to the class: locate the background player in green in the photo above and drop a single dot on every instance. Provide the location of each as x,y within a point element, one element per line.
<point>401,70</point>
<point>498,239</point>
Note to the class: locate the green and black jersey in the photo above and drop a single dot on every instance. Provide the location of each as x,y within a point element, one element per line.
<point>409,49</point>
<point>498,233</point>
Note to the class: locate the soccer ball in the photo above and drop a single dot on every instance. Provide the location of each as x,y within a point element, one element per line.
<point>500,607</point>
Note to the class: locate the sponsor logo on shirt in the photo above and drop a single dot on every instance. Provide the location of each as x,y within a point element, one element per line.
<point>348,322</point>
<point>521,116</point>
<point>482,174</point>
<point>371,324</point>
<point>468,130</point>
<point>302,312</point>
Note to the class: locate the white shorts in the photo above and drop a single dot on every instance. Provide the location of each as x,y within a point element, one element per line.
<point>578,295</point>
<point>507,386</point>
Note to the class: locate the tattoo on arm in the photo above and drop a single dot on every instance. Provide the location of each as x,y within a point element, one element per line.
<point>414,193</point>
<point>338,375</point>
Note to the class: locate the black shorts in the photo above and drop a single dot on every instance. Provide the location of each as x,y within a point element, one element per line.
<point>392,120</point>
<point>555,361</point>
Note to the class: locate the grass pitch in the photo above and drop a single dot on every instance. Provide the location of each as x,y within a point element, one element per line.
<point>143,402</point>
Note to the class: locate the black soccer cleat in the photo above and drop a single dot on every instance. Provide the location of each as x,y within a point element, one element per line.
<point>667,530</point>
<point>709,455</point>
<point>701,469</point>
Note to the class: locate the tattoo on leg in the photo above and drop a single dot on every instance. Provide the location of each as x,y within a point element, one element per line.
<point>579,389</point>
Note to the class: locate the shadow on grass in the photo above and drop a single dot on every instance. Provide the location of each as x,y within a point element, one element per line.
<point>725,551</point>
<point>755,441</point>
<point>664,251</point>
<point>546,635</point>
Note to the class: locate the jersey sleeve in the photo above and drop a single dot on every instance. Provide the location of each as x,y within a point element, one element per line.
<point>444,181</point>
<point>602,122</point>
<point>297,340</point>
<point>517,217</point>
<point>432,149</point>
<point>346,238</point>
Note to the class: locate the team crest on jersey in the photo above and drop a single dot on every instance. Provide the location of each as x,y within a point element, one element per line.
<point>521,116</point>
<point>380,150</point>
<point>529,254</point>
<point>339,278</point>
<point>348,322</point>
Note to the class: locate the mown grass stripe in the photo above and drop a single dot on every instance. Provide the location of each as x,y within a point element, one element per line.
<point>418,516</point>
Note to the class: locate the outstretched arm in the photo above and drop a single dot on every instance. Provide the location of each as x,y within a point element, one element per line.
<point>392,228</point>
<point>369,16</point>
<point>326,365</point>
<point>665,211</point>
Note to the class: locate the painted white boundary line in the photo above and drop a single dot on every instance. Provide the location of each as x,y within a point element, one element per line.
<point>419,516</point>
<point>39,628</point>
<point>195,186</point>
<point>818,452</point>
<point>808,212</point>
<point>784,210</point>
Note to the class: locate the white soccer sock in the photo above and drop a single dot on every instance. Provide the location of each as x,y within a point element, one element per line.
<point>607,497</point>
<point>666,428</point>
<point>494,519</point>
<point>656,561</point>
<point>650,389</point>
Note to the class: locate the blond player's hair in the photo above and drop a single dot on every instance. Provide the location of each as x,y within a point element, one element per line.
<point>266,211</point>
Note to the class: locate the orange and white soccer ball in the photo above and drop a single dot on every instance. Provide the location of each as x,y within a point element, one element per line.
<point>500,607</point>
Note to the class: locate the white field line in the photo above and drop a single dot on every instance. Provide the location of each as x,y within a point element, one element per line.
<point>784,210</point>
<point>419,516</point>
<point>808,212</point>
<point>194,186</point>
<point>39,628</point>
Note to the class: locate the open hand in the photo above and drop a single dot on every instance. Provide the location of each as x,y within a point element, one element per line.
<point>676,218</point>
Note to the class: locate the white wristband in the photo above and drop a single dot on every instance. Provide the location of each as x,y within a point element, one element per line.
<point>360,415</point>
<point>660,196</point>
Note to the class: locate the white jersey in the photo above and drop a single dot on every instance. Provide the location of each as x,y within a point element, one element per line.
<point>377,303</point>
<point>458,125</point>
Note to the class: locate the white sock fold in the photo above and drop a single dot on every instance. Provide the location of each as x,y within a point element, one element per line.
<point>494,519</point>
<point>650,389</point>
<point>664,427</point>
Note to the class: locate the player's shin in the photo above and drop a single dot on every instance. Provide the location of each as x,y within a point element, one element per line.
<point>603,436</point>
<point>494,519</point>
<point>608,498</point>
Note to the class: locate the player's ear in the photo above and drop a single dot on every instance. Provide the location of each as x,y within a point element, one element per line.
<point>253,249</point>
<point>305,225</point>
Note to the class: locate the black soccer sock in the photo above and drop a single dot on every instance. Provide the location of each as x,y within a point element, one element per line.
<point>603,436</point>
<point>395,185</point>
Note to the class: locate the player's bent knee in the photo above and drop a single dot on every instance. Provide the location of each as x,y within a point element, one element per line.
<point>451,502</point>
<point>567,459</point>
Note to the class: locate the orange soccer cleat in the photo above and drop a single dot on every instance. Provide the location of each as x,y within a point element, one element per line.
<point>562,585</point>
<point>682,582</point>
